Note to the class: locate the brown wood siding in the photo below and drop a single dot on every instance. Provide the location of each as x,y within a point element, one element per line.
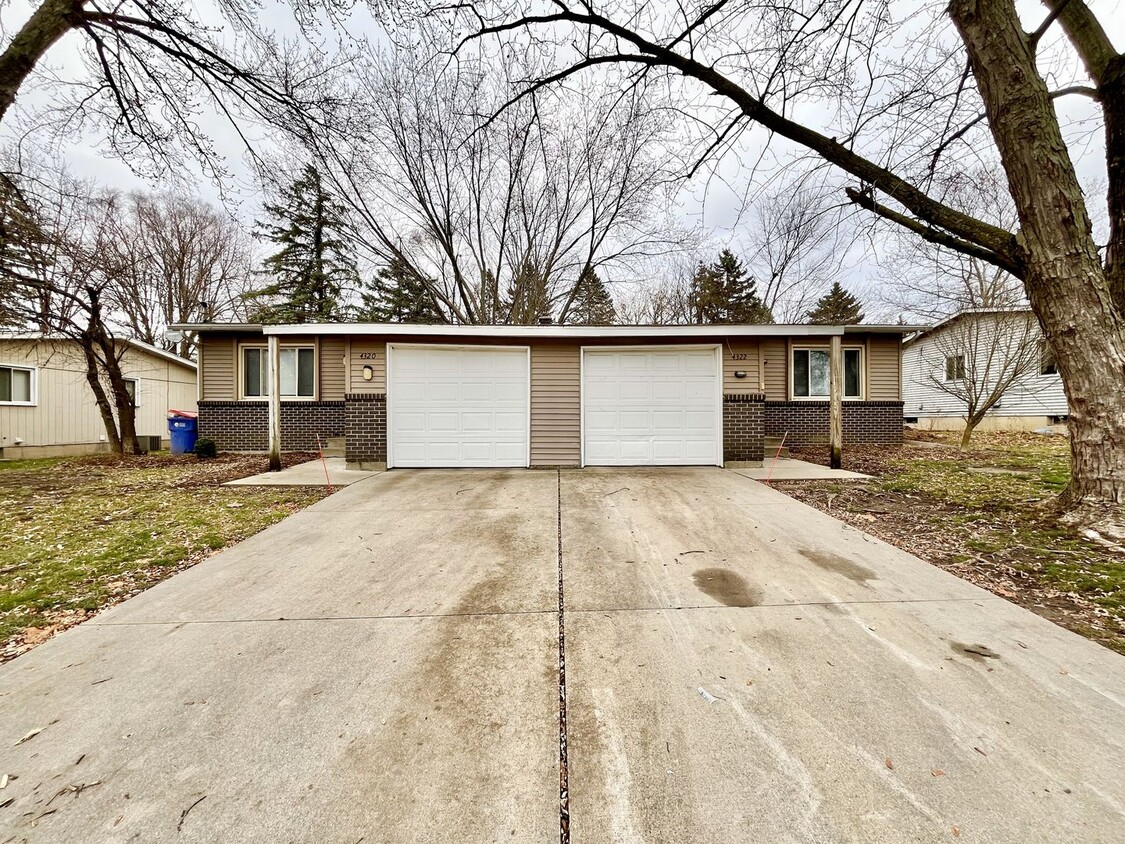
<point>731,364</point>
<point>555,407</point>
<point>367,352</point>
<point>884,361</point>
<point>332,368</point>
<point>775,366</point>
<point>218,367</point>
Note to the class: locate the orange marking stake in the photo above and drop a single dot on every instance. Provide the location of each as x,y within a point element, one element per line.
<point>776,455</point>
<point>323,463</point>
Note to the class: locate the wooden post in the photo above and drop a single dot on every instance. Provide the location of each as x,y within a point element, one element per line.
<point>835,403</point>
<point>273,368</point>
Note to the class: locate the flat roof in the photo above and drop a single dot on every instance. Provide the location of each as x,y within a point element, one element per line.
<point>549,331</point>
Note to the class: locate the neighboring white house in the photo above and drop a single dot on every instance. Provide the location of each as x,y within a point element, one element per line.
<point>981,350</point>
<point>47,407</point>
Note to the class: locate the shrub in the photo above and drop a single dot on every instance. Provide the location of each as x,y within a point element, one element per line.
<point>205,448</point>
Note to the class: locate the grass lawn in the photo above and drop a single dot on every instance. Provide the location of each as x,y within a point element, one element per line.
<point>986,515</point>
<point>81,534</point>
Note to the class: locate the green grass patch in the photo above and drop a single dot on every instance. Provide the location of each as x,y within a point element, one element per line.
<point>1001,514</point>
<point>81,533</point>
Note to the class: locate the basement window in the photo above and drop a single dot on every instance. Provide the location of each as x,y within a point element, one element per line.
<point>298,372</point>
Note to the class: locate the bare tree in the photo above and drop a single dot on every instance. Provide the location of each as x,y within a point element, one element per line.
<point>795,236</point>
<point>57,260</point>
<point>180,260</point>
<point>896,127</point>
<point>482,208</point>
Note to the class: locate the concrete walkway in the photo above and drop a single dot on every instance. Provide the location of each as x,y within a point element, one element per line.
<point>384,666</point>
<point>310,473</point>
<point>791,469</point>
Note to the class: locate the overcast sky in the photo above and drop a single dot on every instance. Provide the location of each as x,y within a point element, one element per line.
<point>722,204</point>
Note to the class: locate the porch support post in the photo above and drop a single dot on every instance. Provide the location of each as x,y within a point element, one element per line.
<point>273,353</point>
<point>835,403</point>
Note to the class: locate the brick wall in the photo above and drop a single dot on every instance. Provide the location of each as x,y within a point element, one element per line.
<point>866,422</point>
<point>244,426</point>
<point>366,424</point>
<point>743,427</point>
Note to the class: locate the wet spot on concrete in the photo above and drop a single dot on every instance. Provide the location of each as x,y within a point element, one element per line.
<point>726,587</point>
<point>840,565</point>
<point>978,652</point>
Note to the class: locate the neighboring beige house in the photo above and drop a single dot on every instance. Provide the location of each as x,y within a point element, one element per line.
<point>47,407</point>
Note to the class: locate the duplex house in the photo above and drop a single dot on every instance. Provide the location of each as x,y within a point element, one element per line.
<point>47,407</point>
<point>546,395</point>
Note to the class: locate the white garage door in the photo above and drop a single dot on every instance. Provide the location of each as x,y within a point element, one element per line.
<point>651,407</point>
<point>457,407</point>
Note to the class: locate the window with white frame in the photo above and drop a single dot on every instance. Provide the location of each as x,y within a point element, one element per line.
<point>955,368</point>
<point>298,372</point>
<point>810,373</point>
<point>17,384</point>
<point>132,387</point>
<point>1047,363</point>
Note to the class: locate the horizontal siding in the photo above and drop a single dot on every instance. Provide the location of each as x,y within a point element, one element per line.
<point>366,352</point>
<point>333,368</point>
<point>217,353</point>
<point>731,364</point>
<point>555,405</point>
<point>775,360</point>
<point>923,370</point>
<point>883,374</point>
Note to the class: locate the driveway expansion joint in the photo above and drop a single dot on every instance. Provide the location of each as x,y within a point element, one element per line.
<point>287,619</point>
<point>564,774</point>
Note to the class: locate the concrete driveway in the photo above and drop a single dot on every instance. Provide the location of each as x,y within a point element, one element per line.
<point>384,666</point>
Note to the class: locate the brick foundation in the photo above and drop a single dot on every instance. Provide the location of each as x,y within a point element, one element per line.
<point>366,426</point>
<point>743,427</point>
<point>806,422</point>
<point>244,426</point>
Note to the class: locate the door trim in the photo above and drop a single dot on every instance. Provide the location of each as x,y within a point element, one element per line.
<point>717,348</point>
<point>448,347</point>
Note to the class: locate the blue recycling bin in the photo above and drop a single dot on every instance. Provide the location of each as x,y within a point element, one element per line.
<point>182,433</point>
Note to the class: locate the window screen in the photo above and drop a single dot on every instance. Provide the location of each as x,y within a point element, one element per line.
<point>15,384</point>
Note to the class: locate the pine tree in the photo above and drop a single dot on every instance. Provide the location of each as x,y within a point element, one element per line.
<point>592,303</point>
<point>528,298</point>
<point>314,266</point>
<point>836,307</point>
<point>397,294</point>
<point>724,293</point>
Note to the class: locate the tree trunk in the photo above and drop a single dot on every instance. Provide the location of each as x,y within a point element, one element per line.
<point>1065,281</point>
<point>126,409</point>
<point>50,22</point>
<point>971,423</point>
<point>93,378</point>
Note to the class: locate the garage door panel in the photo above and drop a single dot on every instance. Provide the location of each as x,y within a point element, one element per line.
<point>699,390</point>
<point>650,407</point>
<point>458,407</point>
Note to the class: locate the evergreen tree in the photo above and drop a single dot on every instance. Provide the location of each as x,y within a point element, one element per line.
<point>397,294</point>
<point>592,303</point>
<point>724,293</point>
<point>314,266</point>
<point>836,307</point>
<point>528,298</point>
